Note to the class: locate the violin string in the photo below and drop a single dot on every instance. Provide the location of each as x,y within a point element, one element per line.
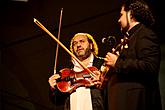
<point>102,58</point>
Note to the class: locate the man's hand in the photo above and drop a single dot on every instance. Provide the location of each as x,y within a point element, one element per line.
<point>52,80</point>
<point>96,78</point>
<point>110,59</point>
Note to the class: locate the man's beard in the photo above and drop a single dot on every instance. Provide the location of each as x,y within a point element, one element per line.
<point>83,55</point>
<point>124,29</point>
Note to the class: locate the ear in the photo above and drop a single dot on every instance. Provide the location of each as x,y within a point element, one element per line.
<point>129,16</point>
<point>91,46</point>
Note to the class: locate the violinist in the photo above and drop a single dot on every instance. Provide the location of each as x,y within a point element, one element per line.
<point>134,84</point>
<point>84,47</point>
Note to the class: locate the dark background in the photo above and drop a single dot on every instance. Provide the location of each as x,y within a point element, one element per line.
<point>27,53</point>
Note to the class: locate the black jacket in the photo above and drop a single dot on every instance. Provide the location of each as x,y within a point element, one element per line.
<point>134,84</point>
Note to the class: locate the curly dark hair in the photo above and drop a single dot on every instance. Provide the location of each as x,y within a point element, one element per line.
<point>140,11</point>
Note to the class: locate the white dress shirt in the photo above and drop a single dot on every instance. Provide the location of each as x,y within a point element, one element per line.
<point>81,98</point>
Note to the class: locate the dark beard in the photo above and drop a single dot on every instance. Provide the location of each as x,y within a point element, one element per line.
<point>85,56</point>
<point>124,30</point>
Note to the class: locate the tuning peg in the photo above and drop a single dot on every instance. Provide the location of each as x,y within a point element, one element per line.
<point>126,46</point>
<point>122,40</point>
<point>122,47</point>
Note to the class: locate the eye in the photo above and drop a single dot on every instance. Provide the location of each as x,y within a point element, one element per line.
<point>120,14</point>
<point>74,43</point>
<point>82,41</point>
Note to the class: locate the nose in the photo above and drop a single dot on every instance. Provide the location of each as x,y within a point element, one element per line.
<point>79,43</point>
<point>119,20</point>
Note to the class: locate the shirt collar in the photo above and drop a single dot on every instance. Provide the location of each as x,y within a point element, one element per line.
<point>78,67</point>
<point>132,30</point>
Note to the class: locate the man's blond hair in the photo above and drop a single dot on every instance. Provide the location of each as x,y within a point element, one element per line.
<point>90,38</point>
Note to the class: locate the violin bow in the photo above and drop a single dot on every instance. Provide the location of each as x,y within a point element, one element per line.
<point>57,48</point>
<point>53,37</point>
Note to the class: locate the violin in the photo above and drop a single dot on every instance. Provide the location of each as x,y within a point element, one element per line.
<point>71,80</point>
<point>104,77</point>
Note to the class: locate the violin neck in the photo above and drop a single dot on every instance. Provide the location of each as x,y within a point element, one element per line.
<point>69,78</point>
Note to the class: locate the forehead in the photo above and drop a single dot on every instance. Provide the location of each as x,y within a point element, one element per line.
<point>80,37</point>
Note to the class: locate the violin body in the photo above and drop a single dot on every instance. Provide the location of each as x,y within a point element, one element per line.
<point>104,77</point>
<point>70,80</point>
